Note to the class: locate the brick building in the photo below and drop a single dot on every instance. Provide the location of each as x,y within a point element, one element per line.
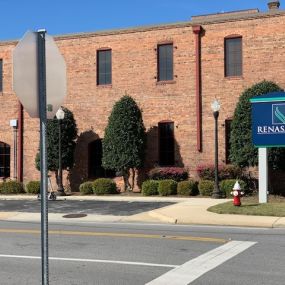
<point>172,71</point>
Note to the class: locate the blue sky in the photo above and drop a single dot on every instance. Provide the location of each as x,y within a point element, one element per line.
<point>72,16</point>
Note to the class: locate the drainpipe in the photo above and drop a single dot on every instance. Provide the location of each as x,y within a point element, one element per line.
<point>20,143</point>
<point>197,31</point>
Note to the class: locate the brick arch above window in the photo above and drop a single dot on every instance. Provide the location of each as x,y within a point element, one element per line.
<point>232,36</point>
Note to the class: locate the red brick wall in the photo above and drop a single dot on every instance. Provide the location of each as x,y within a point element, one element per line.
<point>134,68</point>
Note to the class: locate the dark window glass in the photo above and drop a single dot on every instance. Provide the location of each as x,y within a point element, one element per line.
<point>233,57</point>
<point>95,161</point>
<point>4,160</point>
<point>166,144</point>
<point>227,137</point>
<point>165,62</point>
<point>1,75</point>
<point>104,67</point>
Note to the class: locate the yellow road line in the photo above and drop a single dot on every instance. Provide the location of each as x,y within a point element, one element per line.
<point>106,234</point>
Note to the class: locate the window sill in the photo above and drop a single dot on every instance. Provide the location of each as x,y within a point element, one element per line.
<point>165,82</point>
<point>234,77</point>
<point>104,85</point>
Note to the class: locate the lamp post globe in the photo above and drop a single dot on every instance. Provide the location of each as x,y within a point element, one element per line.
<point>60,190</point>
<point>215,106</point>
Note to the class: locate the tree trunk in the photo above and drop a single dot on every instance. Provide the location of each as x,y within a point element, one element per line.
<point>126,176</point>
<point>133,178</point>
<point>56,177</point>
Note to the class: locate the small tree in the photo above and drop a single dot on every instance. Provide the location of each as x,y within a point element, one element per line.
<point>242,152</point>
<point>68,137</point>
<point>124,140</point>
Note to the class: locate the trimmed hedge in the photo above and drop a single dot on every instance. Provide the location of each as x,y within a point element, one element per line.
<point>11,187</point>
<point>187,188</point>
<point>86,188</point>
<point>227,185</point>
<point>102,186</point>
<point>206,187</point>
<point>207,172</point>
<point>167,187</point>
<point>150,187</point>
<point>33,187</point>
<point>174,173</point>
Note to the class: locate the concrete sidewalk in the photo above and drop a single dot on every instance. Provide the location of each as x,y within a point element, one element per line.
<point>185,211</point>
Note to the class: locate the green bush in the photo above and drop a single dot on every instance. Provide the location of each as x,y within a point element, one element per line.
<point>206,187</point>
<point>33,187</point>
<point>173,173</point>
<point>207,172</point>
<point>150,187</point>
<point>167,187</point>
<point>227,185</point>
<point>86,188</point>
<point>242,150</point>
<point>102,186</point>
<point>187,188</point>
<point>11,187</point>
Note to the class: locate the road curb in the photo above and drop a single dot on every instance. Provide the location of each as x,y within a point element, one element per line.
<point>162,217</point>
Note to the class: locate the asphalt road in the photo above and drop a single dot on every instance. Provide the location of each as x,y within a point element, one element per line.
<point>128,254</point>
<point>119,208</point>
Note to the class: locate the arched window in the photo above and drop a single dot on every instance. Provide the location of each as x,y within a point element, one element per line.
<point>4,160</point>
<point>95,168</point>
<point>166,143</point>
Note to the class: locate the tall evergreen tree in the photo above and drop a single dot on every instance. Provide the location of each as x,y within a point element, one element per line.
<point>242,152</point>
<point>124,140</point>
<point>68,138</point>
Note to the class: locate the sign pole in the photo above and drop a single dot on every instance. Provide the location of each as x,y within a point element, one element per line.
<point>41,61</point>
<point>263,174</point>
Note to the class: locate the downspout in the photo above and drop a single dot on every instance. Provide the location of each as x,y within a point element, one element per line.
<point>197,31</point>
<point>20,143</point>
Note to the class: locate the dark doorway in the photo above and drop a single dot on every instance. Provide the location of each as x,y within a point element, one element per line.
<point>95,168</point>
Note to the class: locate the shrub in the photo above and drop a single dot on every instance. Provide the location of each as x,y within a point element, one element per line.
<point>174,173</point>
<point>229,172</point>
<point>11,187</point>
<point>33,187</point>
<point>167,187</point>
<point>86,188</point>
<point>102,186</point>
<point>150,187</point>
<point>207,172</point>
<point>242,150</point>
<point>187,188</point>
<point>206,187</point>
<point>227,185</point>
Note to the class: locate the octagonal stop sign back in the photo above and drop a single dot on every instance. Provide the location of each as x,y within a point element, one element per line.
<point>25,75</point>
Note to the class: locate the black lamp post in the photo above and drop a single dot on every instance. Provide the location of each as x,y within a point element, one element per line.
<point>60,189</point>
<point>216,108</point>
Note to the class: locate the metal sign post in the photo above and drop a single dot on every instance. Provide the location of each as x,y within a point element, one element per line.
<point>39,81</point>
<point>43,150</point>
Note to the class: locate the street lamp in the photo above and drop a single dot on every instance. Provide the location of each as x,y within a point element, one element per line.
<point>216,108</point>
<point>60,190</point>
<point>14,124</point>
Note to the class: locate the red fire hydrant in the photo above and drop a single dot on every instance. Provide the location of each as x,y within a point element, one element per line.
<point>237,193</point>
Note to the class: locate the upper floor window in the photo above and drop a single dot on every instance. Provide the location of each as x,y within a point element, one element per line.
<point>4,160</point>
<point>166,143</point>
<point>233,56</point>
<point>1,75</point>
<point>104,67</point>
<point>165,62</point>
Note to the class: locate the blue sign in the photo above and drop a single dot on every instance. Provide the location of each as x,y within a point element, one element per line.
<point>268,120</point>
